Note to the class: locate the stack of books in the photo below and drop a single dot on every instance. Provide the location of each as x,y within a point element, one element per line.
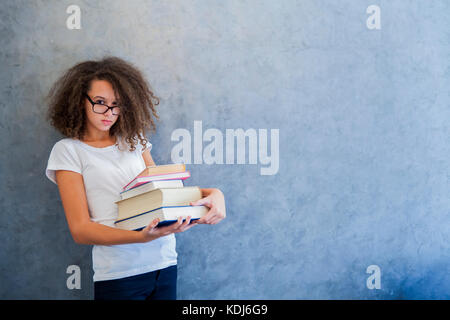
<point>158,192</point>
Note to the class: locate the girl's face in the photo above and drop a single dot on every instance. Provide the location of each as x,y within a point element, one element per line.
<point>101,92</point>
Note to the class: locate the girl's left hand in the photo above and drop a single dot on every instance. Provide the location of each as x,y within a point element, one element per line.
<point>215,201</point>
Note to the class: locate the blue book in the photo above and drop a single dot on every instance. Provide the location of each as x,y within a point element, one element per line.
<point>166,216</point>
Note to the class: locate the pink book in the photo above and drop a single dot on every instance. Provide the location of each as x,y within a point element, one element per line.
<point>155,177</point>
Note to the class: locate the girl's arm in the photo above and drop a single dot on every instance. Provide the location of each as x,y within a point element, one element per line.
<point>148,158</point>
<point>85,231</point>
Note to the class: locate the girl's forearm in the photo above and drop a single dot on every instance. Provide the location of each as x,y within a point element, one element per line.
<point>98,234</point>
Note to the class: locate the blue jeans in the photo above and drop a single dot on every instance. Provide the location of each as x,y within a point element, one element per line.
<point>155,285</point>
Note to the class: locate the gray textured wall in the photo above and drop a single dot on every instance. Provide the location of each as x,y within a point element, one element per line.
<point>363,123</point>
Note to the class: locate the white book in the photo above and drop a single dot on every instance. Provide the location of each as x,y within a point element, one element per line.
<point>149,186</point>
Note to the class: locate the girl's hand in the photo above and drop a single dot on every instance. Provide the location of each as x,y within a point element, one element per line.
<point>215,201</point>
<point>150,232</point>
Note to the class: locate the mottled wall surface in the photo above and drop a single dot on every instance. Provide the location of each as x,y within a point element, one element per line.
<point>363,118</point>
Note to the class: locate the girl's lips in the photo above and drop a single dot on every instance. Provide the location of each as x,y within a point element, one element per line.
<point>106,122</point>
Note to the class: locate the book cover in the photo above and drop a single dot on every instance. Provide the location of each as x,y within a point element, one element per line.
<point>149,186</point>
<point>166,216</point>
<point>170,176</point>
<point>158,170</point>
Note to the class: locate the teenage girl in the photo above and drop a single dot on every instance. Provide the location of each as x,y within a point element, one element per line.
<point>104,108</point>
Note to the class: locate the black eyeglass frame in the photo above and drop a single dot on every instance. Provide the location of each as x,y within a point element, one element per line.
<point>104,105</point>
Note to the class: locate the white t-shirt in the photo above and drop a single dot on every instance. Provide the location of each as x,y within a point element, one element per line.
<point>105,171</point>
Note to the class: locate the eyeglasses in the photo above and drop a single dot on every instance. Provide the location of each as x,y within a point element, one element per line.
<point>103,108</point>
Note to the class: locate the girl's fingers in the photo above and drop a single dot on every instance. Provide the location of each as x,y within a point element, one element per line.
<point>187,226</point>
<point>183,225</point>
<point>151,225</point>
<point>178,226</point>
<point>207,216</point>
<point>170,228</point>
<point>213,214</point>
<point>203,201</point>
<point>215,220</point>
<point>212,217</point>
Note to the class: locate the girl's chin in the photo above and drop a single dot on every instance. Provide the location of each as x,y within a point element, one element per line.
<point>104,128</point>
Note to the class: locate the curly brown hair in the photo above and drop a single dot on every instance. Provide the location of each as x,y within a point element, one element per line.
<point>66,100</point>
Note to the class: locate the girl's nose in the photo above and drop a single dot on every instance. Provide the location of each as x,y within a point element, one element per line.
<point>109,112</point>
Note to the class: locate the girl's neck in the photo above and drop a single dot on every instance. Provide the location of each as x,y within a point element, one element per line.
<point>100,143</point>
<point>98,138</point>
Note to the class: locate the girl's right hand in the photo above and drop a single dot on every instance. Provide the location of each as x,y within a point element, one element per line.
<point>151,232</point>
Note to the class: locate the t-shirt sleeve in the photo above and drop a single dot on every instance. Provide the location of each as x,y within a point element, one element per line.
<point>141,148</point>
<point>62,157</point>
